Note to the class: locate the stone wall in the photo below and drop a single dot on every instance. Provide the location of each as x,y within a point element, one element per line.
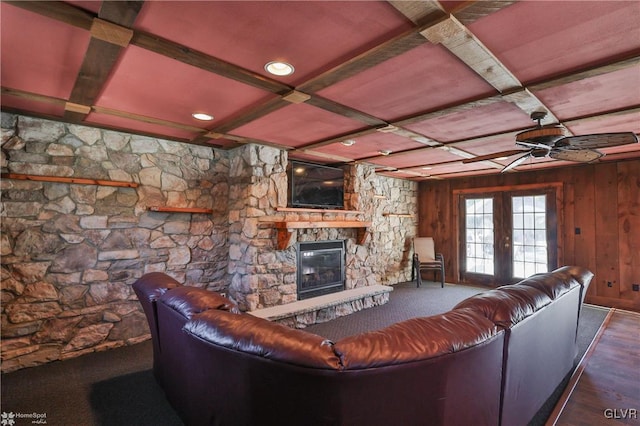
<point>70,252</point>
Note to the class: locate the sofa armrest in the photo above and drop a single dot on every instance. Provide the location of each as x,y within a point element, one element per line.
<point>151,286</point>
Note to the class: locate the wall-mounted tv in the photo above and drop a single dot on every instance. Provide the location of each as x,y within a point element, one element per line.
<point>315,186</point>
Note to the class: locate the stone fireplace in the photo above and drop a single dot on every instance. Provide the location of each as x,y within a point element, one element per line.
<point>321,268</point>
<point>265,234</point>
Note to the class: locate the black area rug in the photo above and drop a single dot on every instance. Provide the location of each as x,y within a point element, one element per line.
<point>117,387</point>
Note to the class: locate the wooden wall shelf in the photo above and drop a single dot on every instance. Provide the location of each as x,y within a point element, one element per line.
<point>63,179</point>
<point>285,228</point>
<point>180,209</point>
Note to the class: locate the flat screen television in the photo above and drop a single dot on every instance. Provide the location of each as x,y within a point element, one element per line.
<point>315,186</point>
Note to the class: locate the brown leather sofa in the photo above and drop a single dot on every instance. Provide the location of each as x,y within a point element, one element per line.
<point>488,361</point>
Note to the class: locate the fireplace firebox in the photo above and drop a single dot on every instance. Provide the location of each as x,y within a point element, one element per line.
<point>320,268</point>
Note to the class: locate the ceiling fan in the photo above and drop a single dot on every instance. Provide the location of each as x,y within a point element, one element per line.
<point>551,141</point>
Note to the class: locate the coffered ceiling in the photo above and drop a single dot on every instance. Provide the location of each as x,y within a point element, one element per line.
<point>427,83</point>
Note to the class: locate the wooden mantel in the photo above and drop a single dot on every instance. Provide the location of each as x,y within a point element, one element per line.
<point>285,228</point>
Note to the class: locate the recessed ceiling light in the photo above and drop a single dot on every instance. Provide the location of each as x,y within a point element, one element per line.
<point>202,116</point>
<point>427,168</point>
<point>501,158</point>
<point>348,142</point>
<point>279,68</point>
<point>384,152</point>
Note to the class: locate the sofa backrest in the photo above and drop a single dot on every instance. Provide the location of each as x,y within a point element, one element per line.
<point>415,339</point>
<point>260,337</point>
<point>508,305</point>
<point>424,367</point>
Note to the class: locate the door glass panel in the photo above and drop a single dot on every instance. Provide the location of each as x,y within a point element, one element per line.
<point>479,235</point>
<point>530,252</point>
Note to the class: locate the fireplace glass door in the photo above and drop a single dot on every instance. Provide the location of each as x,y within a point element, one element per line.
<point>320,268</point>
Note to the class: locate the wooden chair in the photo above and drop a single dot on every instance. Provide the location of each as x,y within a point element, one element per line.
<point>425,258</point>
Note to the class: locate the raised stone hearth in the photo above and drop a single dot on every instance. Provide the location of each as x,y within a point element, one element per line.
<point>324,308</point>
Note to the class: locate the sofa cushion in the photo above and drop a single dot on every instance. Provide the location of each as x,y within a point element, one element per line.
<point>553,285</point>
<point>508,305</point>
<point>153,285</point>
<point>415,339</point>
<point>189,301</point>
<point>257,336</point>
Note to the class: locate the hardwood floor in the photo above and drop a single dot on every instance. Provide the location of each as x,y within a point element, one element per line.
<point>605,389</point>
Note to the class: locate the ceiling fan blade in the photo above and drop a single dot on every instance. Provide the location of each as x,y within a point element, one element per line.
<point>578,155</point>
<point>492,156</point>
<point>600,140</point>
<point>516,162</point>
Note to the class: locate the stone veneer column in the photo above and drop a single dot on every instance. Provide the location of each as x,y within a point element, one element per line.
<point>257,185</point>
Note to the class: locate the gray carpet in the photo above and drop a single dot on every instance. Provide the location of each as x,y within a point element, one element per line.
<point>117,387</point>
<point>405,301</point>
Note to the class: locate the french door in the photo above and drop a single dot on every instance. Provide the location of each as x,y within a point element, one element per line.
<point>507,235</point>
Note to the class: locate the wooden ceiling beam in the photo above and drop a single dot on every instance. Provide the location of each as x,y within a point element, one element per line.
<point>381,53</point>
<point>529,103</point>
<point>147,119</point>
<point>418,11</point>
<point>109,36</point>
<point>470,11</point>
<point>265,108</point>
<point>461,107</point>
<point>631,60</point>
<point>331,141</point>
<point>8,91</point>
<point>454,36</point>
<point>345,111</point>
<point>206,62</point>
<point>60,11</point>
<point>601,116</point>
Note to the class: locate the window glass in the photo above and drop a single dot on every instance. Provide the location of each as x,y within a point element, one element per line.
<point>530,252</point>
<point>479,235</point>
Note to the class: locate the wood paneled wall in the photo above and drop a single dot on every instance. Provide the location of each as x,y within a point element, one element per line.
<point>602,200</point>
